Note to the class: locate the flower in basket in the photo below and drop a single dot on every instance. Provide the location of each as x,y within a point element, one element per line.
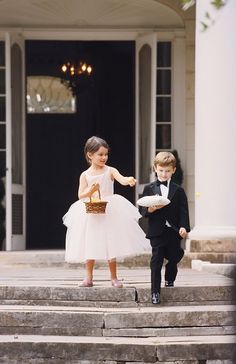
<point>93,199</point>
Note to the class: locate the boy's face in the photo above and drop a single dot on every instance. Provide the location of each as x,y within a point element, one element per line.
<point>164,173</point>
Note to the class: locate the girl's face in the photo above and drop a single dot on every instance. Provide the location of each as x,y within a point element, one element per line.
<point>98,159</point>
<point>164,173</point>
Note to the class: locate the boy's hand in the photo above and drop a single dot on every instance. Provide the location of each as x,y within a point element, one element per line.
<point>182,232</point>
<point>154,208</point>
<point>131,181</point>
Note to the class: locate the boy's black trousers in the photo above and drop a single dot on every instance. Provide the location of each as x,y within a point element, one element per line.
<point>166,246</point>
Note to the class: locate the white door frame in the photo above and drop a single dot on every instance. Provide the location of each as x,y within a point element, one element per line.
<point>139,36</point>
<point>8,144</point>
<point>14,241</point>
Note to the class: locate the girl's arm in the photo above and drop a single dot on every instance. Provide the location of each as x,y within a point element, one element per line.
<point>83,190</point>
<point>125,181</point>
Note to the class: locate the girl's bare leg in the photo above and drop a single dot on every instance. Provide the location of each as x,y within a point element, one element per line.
<point>114,281</point>
<point>89,269</point>
<point>88,281</point>
<point>112,266</point>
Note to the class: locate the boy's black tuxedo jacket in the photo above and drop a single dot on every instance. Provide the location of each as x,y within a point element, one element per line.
<point>176,213</point>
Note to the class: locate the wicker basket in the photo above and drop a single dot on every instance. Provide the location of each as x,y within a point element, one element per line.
<point>95,207</point>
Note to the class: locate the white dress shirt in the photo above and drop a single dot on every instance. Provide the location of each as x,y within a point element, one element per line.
<point>165,192</point>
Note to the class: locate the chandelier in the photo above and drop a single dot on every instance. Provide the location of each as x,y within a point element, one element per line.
<point>75,75</point>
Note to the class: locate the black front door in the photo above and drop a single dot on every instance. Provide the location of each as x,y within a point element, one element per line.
<point>105,107</point>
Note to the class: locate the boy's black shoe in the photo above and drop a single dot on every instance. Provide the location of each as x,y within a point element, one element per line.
<point>156,299</point>
<point>169,284</point>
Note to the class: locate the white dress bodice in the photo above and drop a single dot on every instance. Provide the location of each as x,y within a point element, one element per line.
<point>104,180</point>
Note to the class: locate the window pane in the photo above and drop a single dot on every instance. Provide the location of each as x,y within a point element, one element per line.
<point>2,53</point>
<point>46,94</point>
<point>163,82</point>
<point>2,136</point>
<point>163,54</point>
<point>2,164</point>
<point>163,137</point>
<point>17,214</point>
<point>17,122</point>
<point>2,81</point>
<point>163,109</point>
<point>2,108</point>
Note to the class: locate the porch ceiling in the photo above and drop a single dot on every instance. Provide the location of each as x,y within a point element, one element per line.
<point>89,14</point>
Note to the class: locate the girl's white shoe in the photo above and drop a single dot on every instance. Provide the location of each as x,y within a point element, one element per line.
<point>87,283</point>
<point>116,283</point>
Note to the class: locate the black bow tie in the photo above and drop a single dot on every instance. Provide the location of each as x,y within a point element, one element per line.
<point>162,183</point>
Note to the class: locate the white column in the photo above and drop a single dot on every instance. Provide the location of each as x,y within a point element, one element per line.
<point>215,133</point>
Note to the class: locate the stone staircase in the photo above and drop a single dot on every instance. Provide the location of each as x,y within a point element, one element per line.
<point>46,318</point>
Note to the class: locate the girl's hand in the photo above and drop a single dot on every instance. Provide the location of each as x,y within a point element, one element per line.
<point>93,189</point>
<point>131,181</point>
<point>123,180</point>
<point>182,232</point>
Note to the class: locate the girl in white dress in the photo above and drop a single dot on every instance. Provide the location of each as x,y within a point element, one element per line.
<point>107,236</point>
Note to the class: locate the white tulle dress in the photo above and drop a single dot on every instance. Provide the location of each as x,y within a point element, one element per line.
<point>106,236</point>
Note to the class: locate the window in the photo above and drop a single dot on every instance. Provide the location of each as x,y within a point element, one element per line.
<point>47,94</point>
<point>163,96</point>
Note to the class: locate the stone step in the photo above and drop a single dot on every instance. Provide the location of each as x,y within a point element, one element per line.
<point>211,251</point>
<point>48,258</point>
<point>173,316</point>
<point>226,269</point>
<point>212,257</point>
<point>202,295</point>
<point>52,294</point>
<point>171,331</point>
<point>38,320</point>
<point>63,361</point>
<point>136,350</point>
<point>211,246</point>
<point>112,297</point>
<point>31,257</point>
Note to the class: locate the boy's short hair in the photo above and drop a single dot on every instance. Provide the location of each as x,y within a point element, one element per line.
<point>164,159</point>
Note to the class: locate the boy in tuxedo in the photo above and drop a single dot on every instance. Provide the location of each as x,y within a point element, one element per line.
<point>167,225</point>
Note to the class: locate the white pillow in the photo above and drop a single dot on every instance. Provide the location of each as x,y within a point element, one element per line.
<point>155,200</point>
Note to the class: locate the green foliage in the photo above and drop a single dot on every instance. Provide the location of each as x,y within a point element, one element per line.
<point>217,4</point>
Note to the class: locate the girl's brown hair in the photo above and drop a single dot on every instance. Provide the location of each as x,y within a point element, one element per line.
<point>92,145</point>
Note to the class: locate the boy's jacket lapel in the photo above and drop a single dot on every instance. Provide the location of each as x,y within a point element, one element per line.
<point>157,190</point>
<point>172,189</point>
